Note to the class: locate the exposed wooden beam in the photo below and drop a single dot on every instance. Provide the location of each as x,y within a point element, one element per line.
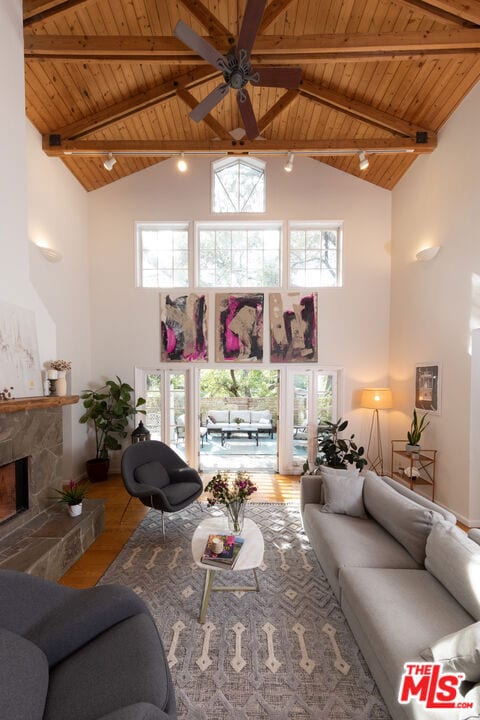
<point>276,109</point>
<point>465,9</point>
<point>272,11</point>
<point>138,103</point>
<point>359,110</point>
<point>213,124</point>
<point>211,24</point>
<point>35,11</point>
<point>268,48</point>
<point>53,146</point>
<point>436,13</point>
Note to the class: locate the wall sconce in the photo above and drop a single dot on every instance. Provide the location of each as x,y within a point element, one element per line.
<point>48,253</point>
<point>427,254</point>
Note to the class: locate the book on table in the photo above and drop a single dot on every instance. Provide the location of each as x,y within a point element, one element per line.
<point>227,556</point>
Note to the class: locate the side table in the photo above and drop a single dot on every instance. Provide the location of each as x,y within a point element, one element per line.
<point>413,468</point>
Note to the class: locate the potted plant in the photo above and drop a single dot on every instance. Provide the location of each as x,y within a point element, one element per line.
<point>336,452</point>
<point>72,496</point>
<point>108,410</point>
<point>416,429</point>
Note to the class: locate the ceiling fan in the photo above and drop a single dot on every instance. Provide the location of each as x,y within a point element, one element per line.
<point>237,69</point>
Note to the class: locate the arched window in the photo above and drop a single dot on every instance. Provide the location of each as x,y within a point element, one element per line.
<point>238,185</point>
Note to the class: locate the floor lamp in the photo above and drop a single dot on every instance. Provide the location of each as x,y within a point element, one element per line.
<point>376,399</point>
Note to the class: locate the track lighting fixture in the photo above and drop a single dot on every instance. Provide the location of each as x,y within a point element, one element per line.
<point>109,162</point>
<point>182,163</point>
<point>363,161</point>
<point>288,167</point>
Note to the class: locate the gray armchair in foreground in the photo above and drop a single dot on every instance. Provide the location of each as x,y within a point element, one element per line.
<point>159,478</point>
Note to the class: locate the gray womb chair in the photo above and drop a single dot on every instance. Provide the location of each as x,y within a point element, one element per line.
<point>159,477</point>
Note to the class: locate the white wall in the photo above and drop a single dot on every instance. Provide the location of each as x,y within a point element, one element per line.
<point>58,215</point>
<point>353,320</point>
<point>434,306</point>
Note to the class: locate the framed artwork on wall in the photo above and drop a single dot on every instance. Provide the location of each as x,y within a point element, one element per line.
<point>19,359</point>
<point>183,328</point>
<point>293,327</point>
<point>428,387</point>
<point>239,327</point>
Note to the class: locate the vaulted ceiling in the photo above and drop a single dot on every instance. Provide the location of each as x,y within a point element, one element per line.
<point>380,76</point>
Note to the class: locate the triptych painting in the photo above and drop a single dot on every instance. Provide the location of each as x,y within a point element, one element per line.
<point>239,327</point>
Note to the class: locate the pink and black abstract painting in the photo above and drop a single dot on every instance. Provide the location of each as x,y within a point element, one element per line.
<point>184,328</point>
<point>239,327</point>
<point>293,327</point>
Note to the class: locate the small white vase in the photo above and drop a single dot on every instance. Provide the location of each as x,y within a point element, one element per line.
<point>75,510</point>
<point>61,384</point>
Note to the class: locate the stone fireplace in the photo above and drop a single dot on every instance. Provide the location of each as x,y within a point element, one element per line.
<point>36,535</point>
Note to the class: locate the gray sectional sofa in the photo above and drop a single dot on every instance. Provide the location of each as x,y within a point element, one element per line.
<point>405,577</point>
<point>90,654</point>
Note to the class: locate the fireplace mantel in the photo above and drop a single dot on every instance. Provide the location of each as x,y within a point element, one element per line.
<point>36,403</point>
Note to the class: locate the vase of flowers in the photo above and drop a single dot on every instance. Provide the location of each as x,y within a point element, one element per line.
<point>61,367</point>
<point>232,492</point>
<point>72,496</point>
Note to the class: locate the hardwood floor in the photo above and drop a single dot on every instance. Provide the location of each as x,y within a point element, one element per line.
<point>91,566</point>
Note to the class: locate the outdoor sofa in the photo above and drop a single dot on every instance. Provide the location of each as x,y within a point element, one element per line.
<point>405,577</point>
<point>261,420</point>
<point>91,654</point>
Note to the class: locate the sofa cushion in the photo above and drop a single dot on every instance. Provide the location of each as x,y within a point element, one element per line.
<point>85,615</point>
<point>219,416</point>
<point>243,415</point>
<point>454,560</point>
<point>343,495</point>
<point>177,493</point>
<point>398,612</point>
<point>459,652</point>
<point>139,711</point>
<point>261,416</point>
<point>419,499</point>
<point>408,522</point>
<point>152,473</point>
<point>123,666</point>
<point>23,678</point>
<point>341,541</point>
<point>474,535</point>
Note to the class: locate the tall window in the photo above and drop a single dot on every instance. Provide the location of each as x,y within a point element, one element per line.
<point>314,255</point>
<point>238,185</point>
<point>238,255</point>
<point>162,255</point>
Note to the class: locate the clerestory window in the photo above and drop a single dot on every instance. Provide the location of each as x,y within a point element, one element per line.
<point>238,185</point>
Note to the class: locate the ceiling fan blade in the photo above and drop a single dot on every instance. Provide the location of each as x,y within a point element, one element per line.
<point>248,116</point>
<point>209,102</point>
<point>196,43</point>
<point>285,77</point>
<point>250,24</point>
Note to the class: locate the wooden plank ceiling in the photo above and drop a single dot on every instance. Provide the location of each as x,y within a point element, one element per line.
<point>377,75</point>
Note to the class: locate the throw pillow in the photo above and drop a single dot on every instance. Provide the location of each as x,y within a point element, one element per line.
<point>459,652</point>
<point>343,495</point>
<point>211,419</point>
<point>334,473</point>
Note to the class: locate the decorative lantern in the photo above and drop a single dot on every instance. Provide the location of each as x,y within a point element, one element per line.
<point>141,433</point>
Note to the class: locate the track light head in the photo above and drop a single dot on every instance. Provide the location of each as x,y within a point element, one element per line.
<point>182,165</point>
<point>109,162</point>
<point>363,161</point>
<point>288,167</point>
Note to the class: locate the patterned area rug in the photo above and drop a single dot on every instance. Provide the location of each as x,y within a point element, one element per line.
<point>285,653</point>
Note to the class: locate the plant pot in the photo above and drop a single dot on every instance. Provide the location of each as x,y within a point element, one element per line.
<point>97,469</point>
<point>75,510</point>
<point>412,448</point>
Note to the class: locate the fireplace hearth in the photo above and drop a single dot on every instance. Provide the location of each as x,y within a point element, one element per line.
<point>36,535</point>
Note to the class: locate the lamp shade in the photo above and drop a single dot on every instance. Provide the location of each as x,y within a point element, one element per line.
<point>376,398</point>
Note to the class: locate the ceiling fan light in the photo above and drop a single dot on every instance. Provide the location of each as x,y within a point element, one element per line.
<point>288,167</point>
<point>109,162</point>
<point>182,165</point>
<point>363,161</point>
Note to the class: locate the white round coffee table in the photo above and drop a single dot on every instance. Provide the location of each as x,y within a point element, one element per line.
<point>249,557</point>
